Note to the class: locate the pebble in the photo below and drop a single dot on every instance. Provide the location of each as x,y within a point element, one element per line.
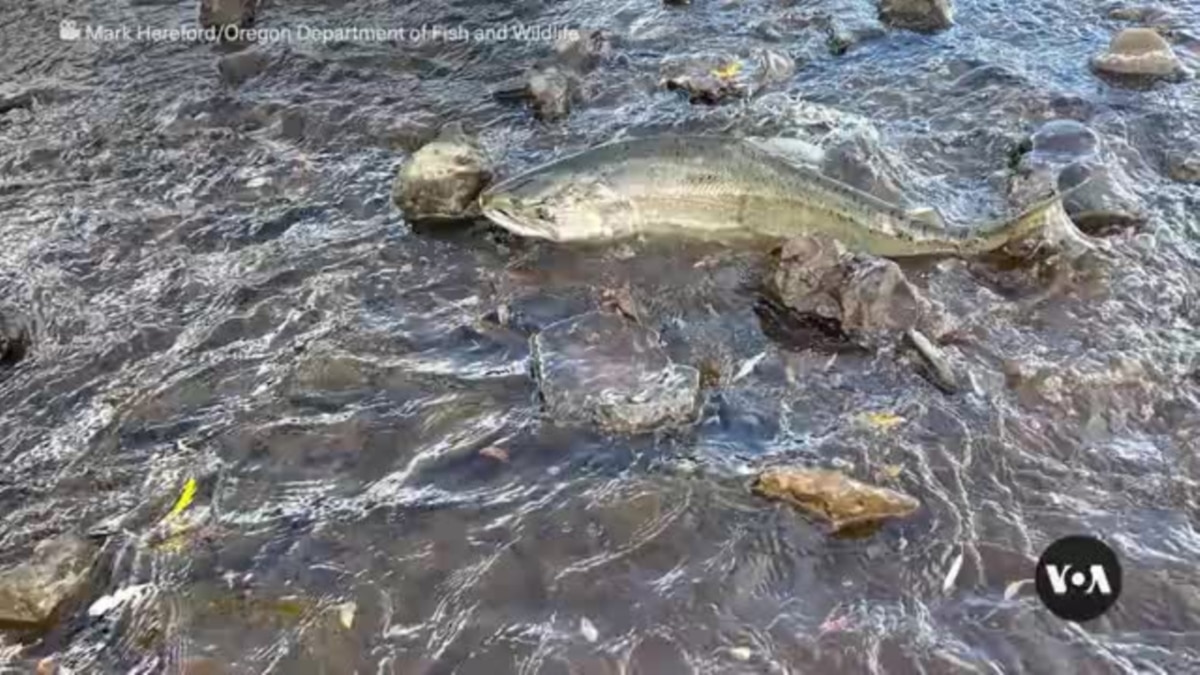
<point>1141,52</point>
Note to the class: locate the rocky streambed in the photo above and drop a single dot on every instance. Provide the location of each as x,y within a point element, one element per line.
<point>272,397</point>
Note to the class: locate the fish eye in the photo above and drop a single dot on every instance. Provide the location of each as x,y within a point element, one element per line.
<point>544,213</point>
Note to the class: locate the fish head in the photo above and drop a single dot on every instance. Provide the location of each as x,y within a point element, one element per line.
<point>525,216</point>
<point>559,208</point>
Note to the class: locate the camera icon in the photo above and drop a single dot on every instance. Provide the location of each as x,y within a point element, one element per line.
<point>69,31</point>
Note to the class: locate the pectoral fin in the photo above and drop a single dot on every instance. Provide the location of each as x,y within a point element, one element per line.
<point>929,216</point>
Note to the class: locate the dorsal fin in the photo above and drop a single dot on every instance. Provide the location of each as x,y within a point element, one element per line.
<point>929,216</point>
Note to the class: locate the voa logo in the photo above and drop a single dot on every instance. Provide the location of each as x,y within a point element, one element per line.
<point>1095,579</point>
<point>1078,578</point>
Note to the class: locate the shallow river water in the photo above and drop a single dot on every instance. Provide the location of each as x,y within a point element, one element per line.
<point>217,285</point>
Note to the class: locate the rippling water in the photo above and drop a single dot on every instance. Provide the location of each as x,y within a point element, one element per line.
<point>213,293</point>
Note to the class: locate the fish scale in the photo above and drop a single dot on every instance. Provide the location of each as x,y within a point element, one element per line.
<point>723,188</point>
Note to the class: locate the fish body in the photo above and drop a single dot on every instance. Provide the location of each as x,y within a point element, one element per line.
<point>724,188</point>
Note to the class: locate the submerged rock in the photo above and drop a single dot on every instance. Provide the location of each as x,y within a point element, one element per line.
<point>918,15</point>
<point>1183,167</point>
<point>855,156</point>
<point>1141,52</point>
<point>221,13</point>
<point>602,369</point>
<point>549,91</point>
<point>1064,155</point>
<point>1064,140</point>
<point>14,339</point>
<point>1103,200</point>
<point>442,179</point>
<point>831,496</point>
<point>243,66</point>
<point>32,593</point>
<point>583,50</point>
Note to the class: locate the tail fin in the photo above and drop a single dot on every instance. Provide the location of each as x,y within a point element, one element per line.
<point>1033,219</point>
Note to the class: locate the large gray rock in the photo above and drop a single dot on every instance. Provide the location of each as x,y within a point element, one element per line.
<point>603,369</point>
<point>869,298</point>
<point>1140,52</point>
<point>918,15</point>
<point>221,13</point>
<point>32,593</point>
<point>442,180</point>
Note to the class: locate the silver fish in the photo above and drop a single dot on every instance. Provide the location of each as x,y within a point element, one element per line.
<point>724,188</point>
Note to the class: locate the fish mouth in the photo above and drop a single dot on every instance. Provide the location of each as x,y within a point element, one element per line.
<point>501,210</point>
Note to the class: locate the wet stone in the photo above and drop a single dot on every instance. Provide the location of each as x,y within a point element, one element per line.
<point>603,369</point>
<point>240,67</point>
<point>918,15</point>
<point>855,157</point>
<point>867,297</point>
<point>1065,140</point>
<point>807,276</point>
<point>442,180</point>
<point>877,297</point>
<point>583,50</point>
<point>831,496</point>
<point>14,339</point>
<point>1100,198</point>
<point>706,78</point>
<point>1183,167</point>
<point>32,593</point>
<point>1139,52</point>
<point>549,93</point>
<point>220,13</point>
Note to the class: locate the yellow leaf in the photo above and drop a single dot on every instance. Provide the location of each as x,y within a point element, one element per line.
<point>185,498</point>
<point>884,421</point>
<point>728,71</point>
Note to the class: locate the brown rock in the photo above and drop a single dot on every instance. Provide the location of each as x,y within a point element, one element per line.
<point>1139,51</point>
<point>831,496</point>
<point>32,593</point>
<point>808,275</point>
<point>1183,167</point>
<point>442,180</point>
<point>221,13</point>
<point>918,15</point>
<point>549,91</point>
<point>878,297</point>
